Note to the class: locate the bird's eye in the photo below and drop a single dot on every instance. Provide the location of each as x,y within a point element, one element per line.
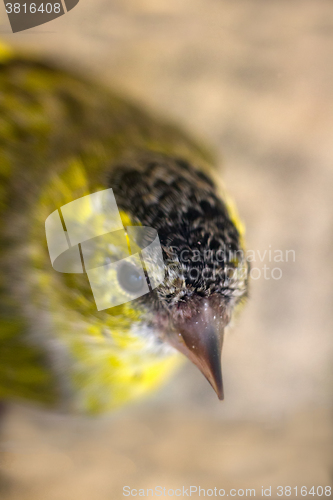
<point>129,277</point>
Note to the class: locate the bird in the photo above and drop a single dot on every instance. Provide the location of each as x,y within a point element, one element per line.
<point>65,136</point>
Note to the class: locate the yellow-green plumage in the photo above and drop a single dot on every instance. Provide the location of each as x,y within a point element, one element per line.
<point>59,137</point>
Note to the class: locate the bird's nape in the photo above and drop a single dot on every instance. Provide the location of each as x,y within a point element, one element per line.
<point>205,265</point>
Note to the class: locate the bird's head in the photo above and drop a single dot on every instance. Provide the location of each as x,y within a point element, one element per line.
<point>205,268</point>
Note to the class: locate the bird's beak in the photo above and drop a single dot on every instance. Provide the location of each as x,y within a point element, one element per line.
<point>199,336</point>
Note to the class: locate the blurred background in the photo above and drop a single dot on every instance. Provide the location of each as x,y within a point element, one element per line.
<point>255,79</point>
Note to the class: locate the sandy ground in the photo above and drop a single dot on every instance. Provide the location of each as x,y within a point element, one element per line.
<point>255,78</point>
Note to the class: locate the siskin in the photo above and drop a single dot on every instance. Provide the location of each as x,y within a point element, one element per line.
<point>63,137</point>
